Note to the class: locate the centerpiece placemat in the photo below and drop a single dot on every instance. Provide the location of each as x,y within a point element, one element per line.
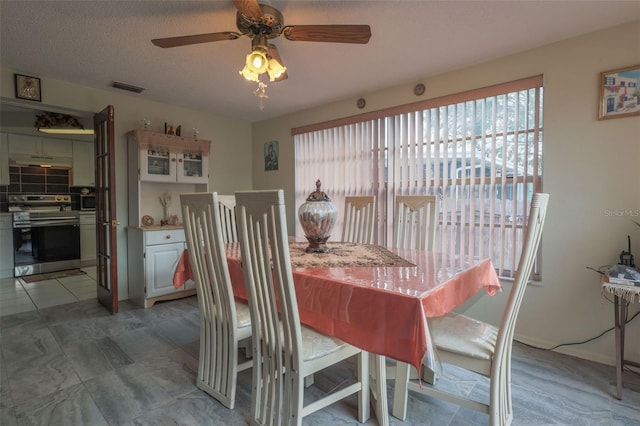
<point>344,255</point>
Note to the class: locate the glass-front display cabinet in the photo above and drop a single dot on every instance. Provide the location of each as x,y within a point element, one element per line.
<point>168,158</point>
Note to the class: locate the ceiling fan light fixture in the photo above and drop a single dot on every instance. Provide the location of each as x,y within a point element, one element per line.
<point>248,74</point>
<point>257,61</point>
<point>275,70</point>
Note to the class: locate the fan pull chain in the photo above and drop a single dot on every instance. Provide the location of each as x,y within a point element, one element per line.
<point>261,92</point>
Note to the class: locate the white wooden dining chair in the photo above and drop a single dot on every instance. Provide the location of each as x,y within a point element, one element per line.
<point>480,347</point>
<point>359,219</point>
<point>414,225</point>
<point>227,208</point>
<point>414,222</point>
<point>228,224</point>
<point>224,323</point>
<point>285,352</point>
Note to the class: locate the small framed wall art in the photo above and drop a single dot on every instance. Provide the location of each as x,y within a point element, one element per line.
<point>271,155</point>
<point>619,93</point>
<point>28,88</point>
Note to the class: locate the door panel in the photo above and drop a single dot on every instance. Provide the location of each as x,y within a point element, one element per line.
<point>161,261</point>
<point>106,221</point>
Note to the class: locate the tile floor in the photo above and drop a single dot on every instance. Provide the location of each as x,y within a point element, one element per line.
<point>75,364</point>
<point>17,296</point>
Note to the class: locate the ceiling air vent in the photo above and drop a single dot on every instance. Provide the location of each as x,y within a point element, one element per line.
<point>127,87</point>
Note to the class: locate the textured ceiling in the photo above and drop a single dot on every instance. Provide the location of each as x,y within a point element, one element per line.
<point>92,43</point>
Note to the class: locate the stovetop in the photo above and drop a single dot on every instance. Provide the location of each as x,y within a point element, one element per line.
<point>39,203</point>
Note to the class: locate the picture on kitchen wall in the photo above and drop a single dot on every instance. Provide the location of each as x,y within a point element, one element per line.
<point>619,93</point>
<point>271,155</point>
<point>28,88</point>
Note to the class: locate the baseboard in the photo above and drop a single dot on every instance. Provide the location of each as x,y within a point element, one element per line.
<point>568,350</point>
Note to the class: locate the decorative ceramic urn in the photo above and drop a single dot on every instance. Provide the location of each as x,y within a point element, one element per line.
<point>317,216</point>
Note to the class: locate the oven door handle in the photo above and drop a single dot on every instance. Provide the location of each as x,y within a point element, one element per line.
<point>40,223</point>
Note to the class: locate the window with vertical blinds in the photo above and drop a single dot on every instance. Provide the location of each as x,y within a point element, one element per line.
<point>480,152</point>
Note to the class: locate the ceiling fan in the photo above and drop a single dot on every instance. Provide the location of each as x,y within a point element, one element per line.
<point>261,22</point>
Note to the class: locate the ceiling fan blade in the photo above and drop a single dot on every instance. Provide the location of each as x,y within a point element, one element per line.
<point>328,33</point>
<point>273,52</point>
<point>195,39</point>
<point>249,8</point>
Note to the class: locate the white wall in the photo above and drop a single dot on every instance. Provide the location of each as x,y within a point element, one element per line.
<point>231,139</point>
<point>590,168</point>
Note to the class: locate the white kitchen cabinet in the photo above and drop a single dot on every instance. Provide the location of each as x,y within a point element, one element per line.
<point>35,145</point>
<point>165,166</point>
<point>83,164</point>
<point>6,245</point>
<point>167,158</point>
<point>4,159</point>
<point>153,256</point>
<point>87,238</point>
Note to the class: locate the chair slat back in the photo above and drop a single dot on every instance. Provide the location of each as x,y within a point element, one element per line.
<point>274,310</point>
<point>414,222</point>
<point>215,294</point>
<point>359,219</point>
<point>531,242</point>
<point>227,209</point>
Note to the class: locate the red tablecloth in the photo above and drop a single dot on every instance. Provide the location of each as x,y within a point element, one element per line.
<point>382,309</point>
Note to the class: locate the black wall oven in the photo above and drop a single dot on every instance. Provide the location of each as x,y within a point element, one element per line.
<point>45,239</point>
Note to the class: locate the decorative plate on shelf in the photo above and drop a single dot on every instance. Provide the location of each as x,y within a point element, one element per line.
<point>147,220</point>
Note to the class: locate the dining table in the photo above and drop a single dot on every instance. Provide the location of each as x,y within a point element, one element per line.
<point>376,298</point>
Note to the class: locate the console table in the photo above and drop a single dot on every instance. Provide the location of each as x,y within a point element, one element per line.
<point>629,294</point>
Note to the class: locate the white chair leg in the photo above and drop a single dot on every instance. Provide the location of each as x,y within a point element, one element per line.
<point>364,376</point>
<point>308,381</point>
<point>428,375</point>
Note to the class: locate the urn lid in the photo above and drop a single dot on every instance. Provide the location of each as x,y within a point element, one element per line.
<point>318,195</point>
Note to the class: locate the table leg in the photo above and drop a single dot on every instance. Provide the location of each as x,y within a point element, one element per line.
<point>619,331</point>
<point>400,394</point>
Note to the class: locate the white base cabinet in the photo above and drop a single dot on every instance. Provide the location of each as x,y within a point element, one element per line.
<point>87,238</point>
<point>6,245</point>
<point>153,256</point>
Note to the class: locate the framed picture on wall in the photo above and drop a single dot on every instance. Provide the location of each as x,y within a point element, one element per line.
<point>619,93</point>
<point>28,88</point>
<point>271,155</point>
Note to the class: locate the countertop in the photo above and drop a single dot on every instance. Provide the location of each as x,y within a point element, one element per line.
<point>158,227</point>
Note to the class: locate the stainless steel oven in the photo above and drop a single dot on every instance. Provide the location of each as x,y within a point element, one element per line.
<point>46,234</point>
